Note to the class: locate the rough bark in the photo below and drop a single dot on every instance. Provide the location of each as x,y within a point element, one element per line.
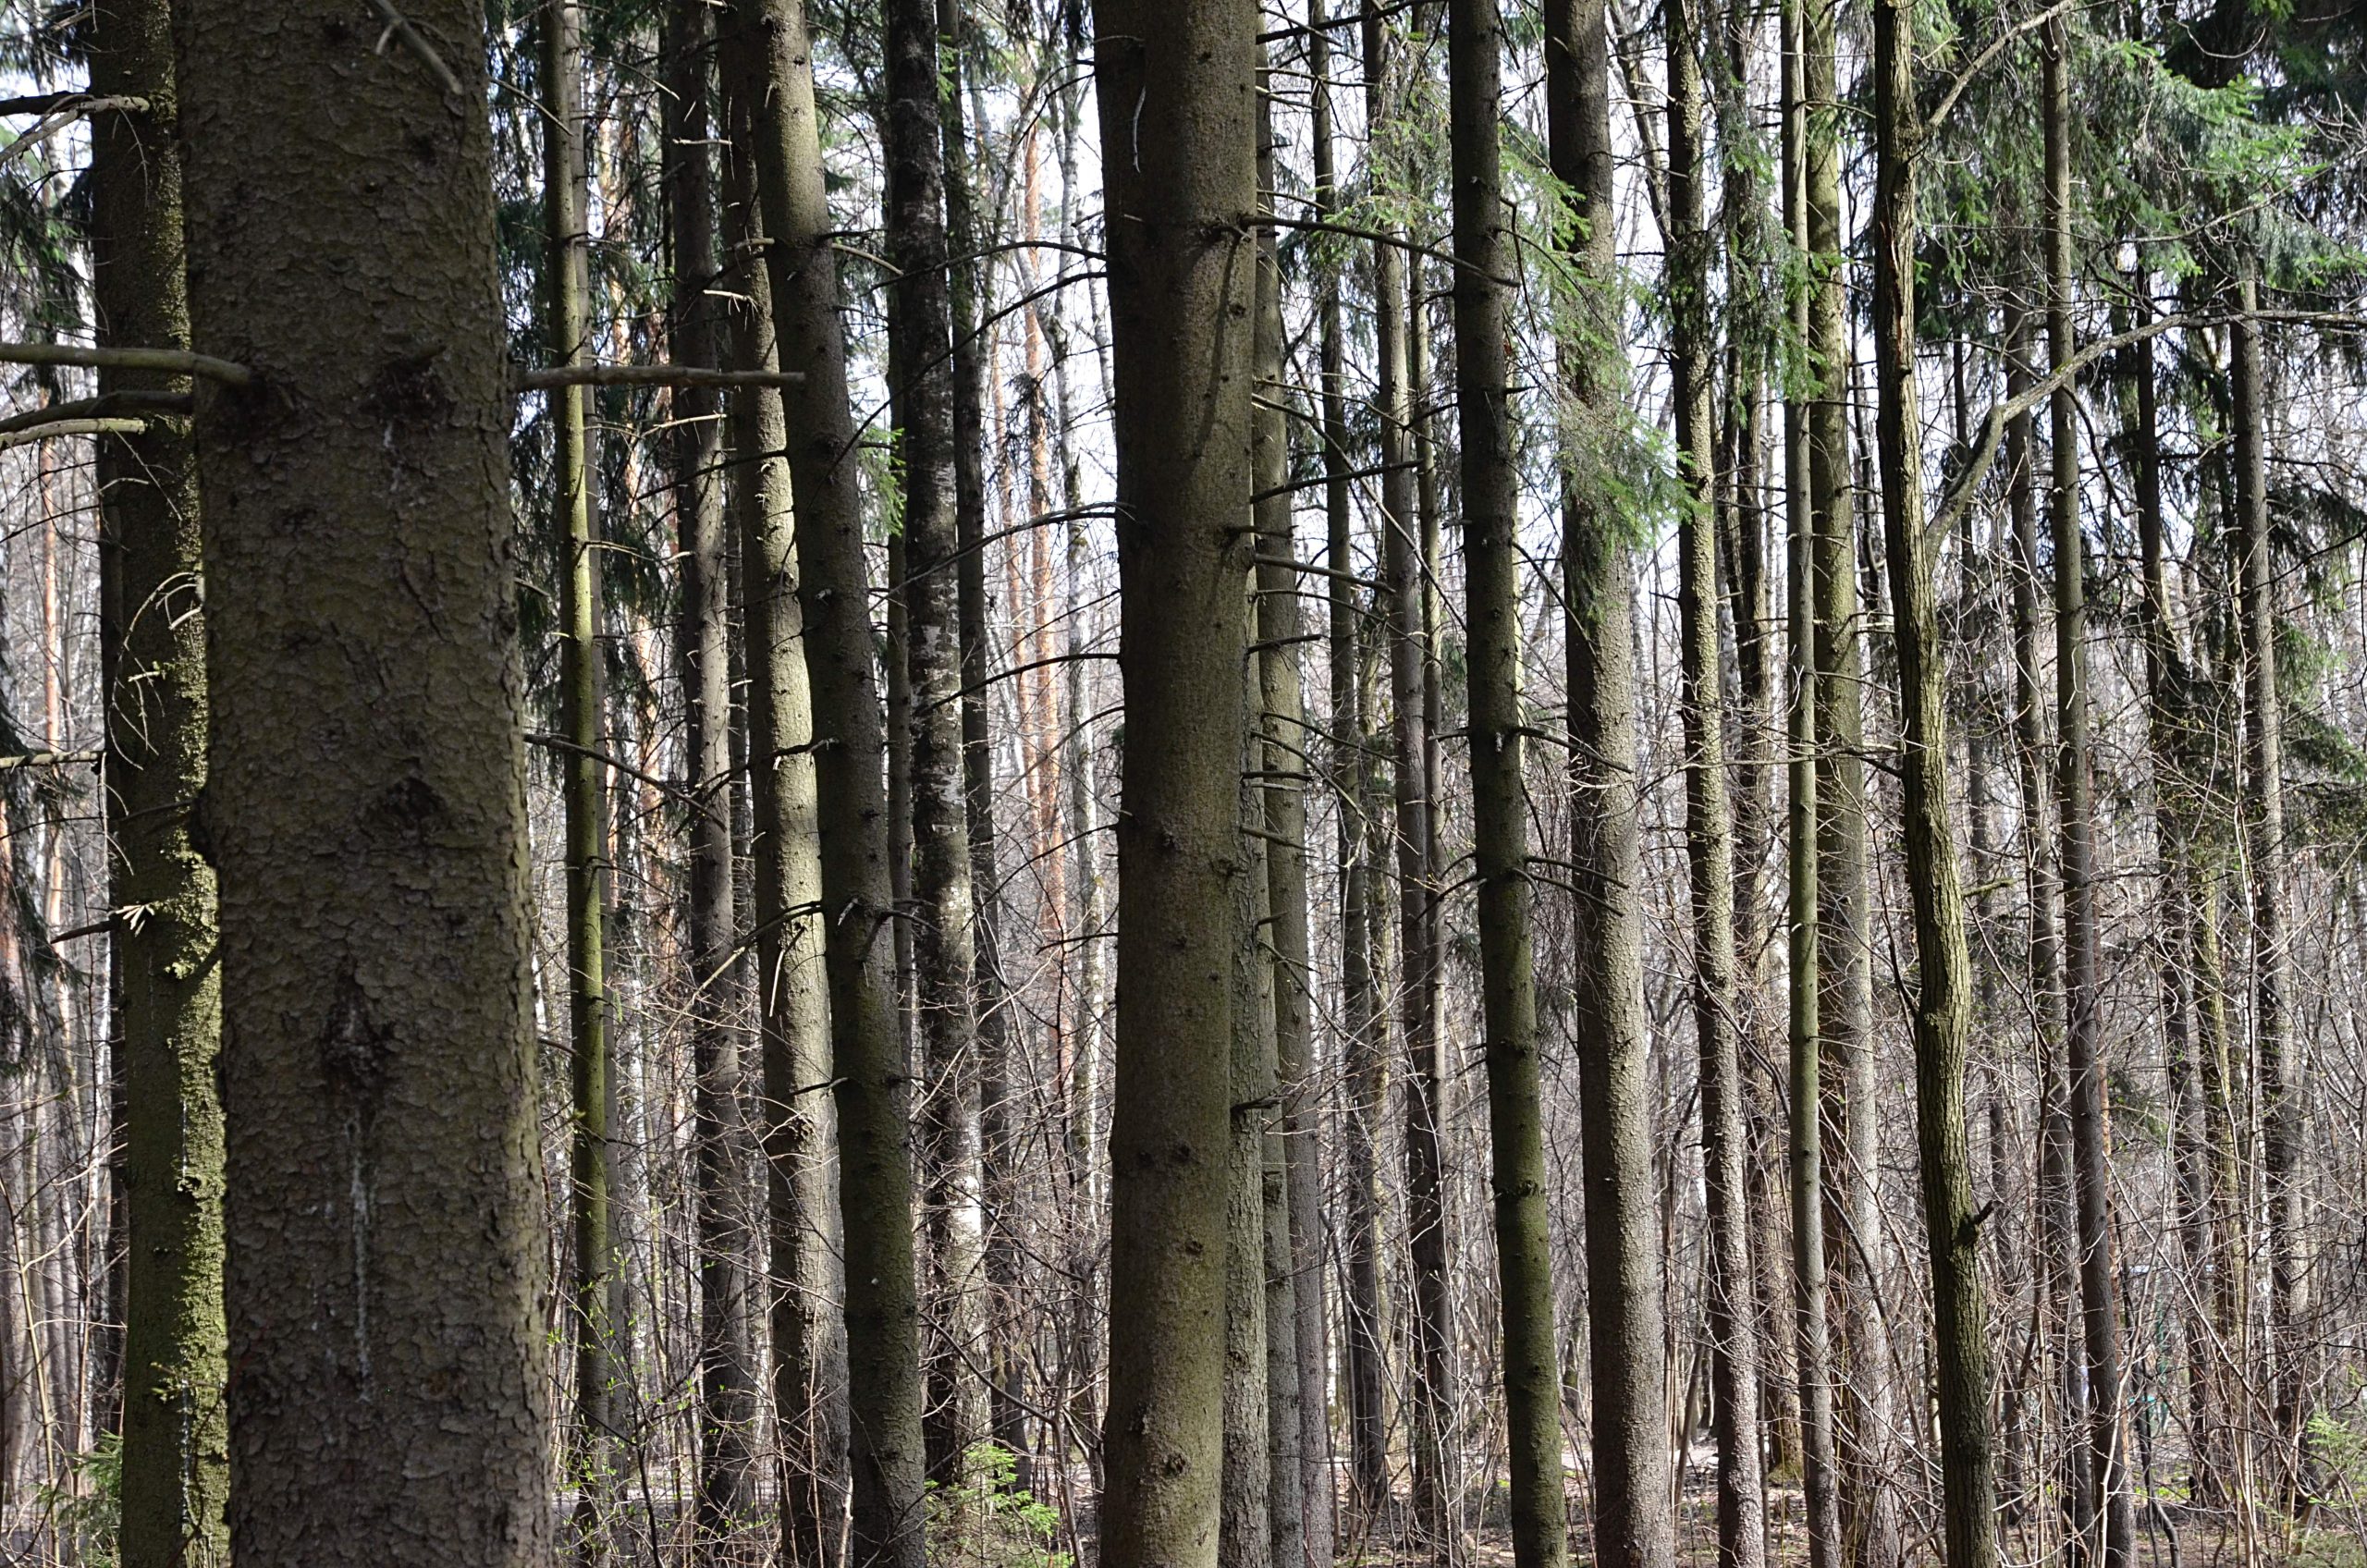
<point>1629,1380</point>
<point>384,1229</point>
<point>1942,1008</point>
<point>869,1059</point>
<point>1181,258</point>
<point>175,1475</point>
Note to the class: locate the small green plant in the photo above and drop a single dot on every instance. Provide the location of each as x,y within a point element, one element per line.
<point>85,1508</point>
<point>987,1520</point>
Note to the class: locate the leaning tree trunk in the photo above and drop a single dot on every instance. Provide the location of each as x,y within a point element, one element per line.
<point>385,1276</point>
<point>1182,269</point>
<point>809,1368</point>
<point>920,380</point>
<point>868,1060</point>
<point>2075,793</point>
<point>1709,833</point>
<point>1632,1525</point>
<point>1942,1013</point>
<point>726,1358</point>
<point>1498,789</point>
<point>174,1475</point>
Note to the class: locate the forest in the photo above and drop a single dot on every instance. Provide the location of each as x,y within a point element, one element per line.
<point>1182,783</point>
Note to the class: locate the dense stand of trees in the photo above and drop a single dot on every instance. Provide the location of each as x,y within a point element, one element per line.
<point>1183,782</point>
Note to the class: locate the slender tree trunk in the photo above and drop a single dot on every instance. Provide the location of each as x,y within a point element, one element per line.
<point>175,1475</point>
<point>1942,1013</point>
<point>1854,1214</point>
<point>1708,827</point>
<point>2083,1019</point>
<point>1279,735</point>
<point>998,1135</point>
<point>1500,796</point>
<point>869,1059</point>
<point>2280,1076</point>
<point>921,391</point>
<point>565,334</point>
<point>1363,1072</point>
<point>384,1239</point>
<point>1182,291</point>
<point>1819,1476</point>
<point>727,1370</point>
<point>1290,744</point>
<point>1246,1530</point>
<point>1405,591</point>
<point>809,1369</point>
<point>1628,1374</point>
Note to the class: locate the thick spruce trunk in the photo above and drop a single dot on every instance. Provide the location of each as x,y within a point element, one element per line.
<point>1177,85</point>
<point>384,1280</point>
<point>175,1473</point>
<point>1633,1527</point>
<point>869,1067</point>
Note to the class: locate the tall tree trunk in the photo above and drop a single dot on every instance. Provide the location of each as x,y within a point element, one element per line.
<point>1246,1530</point>
<point>1854,1214</point>
<point>1364,1073</point>
<point>1629,1376</point>
<point>808,1340</point>
<point>2280,1076</point>
<point>998,1135</point>
<point>921,393</point>
<point>1819,1477</point>
<point>566,330</point>
<point>2083,1017</point>
<point>1942,1013</point>
<point>1279,735</point>
<point>175,1475</point>
<point>1500,796</point>
<point>1182,291</point>
<point>1404,591</point>
<point>726,1368</point>
<point>1709,829</point>
<point>385,1240</point>
<point>868,1060</point>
